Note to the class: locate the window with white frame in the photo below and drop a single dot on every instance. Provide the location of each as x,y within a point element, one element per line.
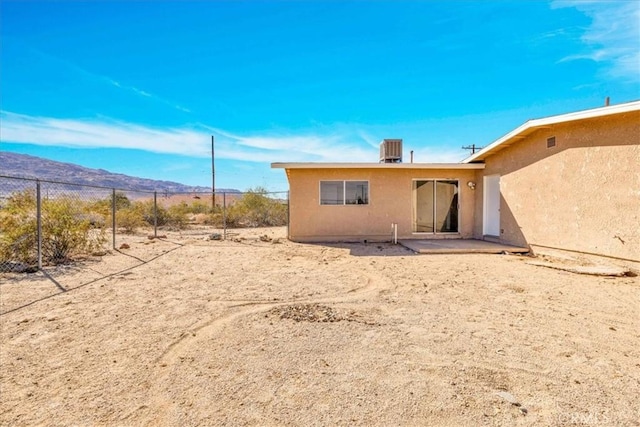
<point>344,192</point>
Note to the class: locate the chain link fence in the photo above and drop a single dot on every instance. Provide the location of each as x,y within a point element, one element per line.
<point>46,223</point>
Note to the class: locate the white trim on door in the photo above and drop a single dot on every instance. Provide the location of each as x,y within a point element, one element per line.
<point>491,205</point>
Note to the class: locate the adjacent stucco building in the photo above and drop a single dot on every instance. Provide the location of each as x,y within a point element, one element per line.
<point>569,182</point>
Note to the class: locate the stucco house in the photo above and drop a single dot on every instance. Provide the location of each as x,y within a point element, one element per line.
<point>569,182</point>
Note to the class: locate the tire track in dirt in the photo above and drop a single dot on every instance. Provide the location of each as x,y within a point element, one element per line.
<point>258,306</point>
<point>160,404</point>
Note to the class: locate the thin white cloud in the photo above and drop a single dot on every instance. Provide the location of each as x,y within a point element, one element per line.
<point>612,38</point>
<point>369,139</point>
<point>140,92</point>
<point>104,133</point>
<point>431,155</point>
<point>55,61</point>
<point>130,88</point>
<point>109,134</point>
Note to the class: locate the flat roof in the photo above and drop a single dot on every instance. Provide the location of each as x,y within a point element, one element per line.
<point>312,165</point>
<point>535,124</point>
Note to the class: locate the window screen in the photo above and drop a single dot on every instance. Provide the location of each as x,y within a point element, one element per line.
<point>332,192</point>
<point>344,192</point>
<point>356,192</point>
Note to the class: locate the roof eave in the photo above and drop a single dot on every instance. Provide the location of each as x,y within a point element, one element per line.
<point>390,166</point>
<point>548,121</point>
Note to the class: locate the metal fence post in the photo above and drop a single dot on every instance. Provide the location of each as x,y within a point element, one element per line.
<point>113,217</point>
<point>224,214</point>
<point>39,223</point>
<point>155,214</point>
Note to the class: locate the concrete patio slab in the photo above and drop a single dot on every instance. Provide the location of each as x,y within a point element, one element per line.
<point>459,246</point>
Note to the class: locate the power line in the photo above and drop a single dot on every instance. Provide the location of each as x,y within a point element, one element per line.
<point>473,148</point>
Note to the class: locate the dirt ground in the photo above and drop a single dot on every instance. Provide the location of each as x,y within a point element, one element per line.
<point>188,331</point>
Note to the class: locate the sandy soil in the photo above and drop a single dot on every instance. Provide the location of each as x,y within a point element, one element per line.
<point>188,331</point>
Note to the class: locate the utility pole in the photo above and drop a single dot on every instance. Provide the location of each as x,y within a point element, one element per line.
<point>473,148</point>
<point>213,177</point>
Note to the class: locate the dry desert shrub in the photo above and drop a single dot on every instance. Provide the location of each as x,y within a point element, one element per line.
<point>131,215</point>
<point>254,209</point>
<point>67,229</point>
<point>129,220</point>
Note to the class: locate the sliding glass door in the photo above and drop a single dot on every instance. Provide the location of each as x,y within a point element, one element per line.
<point>435,206</point>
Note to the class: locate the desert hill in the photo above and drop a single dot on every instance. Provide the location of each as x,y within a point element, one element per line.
<point>25,166</point>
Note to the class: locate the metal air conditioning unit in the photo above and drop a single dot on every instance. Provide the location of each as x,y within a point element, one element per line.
<point>391,151</point>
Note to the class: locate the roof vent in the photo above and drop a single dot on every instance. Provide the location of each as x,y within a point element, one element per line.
<point>391,151</point>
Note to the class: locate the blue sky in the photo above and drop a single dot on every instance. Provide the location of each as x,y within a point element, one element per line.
<point>139,87</point>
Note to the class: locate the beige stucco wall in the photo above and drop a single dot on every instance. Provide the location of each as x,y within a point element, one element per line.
<point>582,195</point>
<point>390,201</point>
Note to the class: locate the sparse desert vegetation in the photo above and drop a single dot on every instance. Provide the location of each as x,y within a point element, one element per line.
<point>68,229</point>
<point>75,226</point>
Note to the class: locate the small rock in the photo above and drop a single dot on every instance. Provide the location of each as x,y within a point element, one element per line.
<point>508,397</point>
<point>124,246</point>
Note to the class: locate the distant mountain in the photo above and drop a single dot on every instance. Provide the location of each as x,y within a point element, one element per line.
<point>25,166</point>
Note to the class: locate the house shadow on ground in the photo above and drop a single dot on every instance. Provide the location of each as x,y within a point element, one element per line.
<point>382,249</point>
